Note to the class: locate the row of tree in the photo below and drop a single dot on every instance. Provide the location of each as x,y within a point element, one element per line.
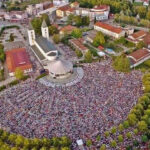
<point>17,142</point>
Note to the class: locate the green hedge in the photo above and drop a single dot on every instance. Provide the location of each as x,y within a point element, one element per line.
<point>8,27</point>
<point>41,76</point>
<point>2,87</point>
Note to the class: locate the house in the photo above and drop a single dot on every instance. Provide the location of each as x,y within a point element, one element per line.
<point>75,5</point>
<point>18,58</point>
<point>16,16</point>
<point>100,12</point>
<point>101,48</point>
<point>140,36</point>
<point>61,11</point>
<point>60,2</point>
<point>66,29</point>
<point>78,44</point>
<point>109,30</point>
<point>139,56</point>
<point>145,2</point>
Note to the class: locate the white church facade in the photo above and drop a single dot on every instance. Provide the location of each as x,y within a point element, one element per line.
<point>41,45</point>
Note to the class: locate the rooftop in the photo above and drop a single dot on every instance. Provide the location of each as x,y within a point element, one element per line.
<point>138,34</point>
<point>139,55</point>
<point>46,45</point>
<point>79,44</point>
<point>68,28</point>
<point>17,58</point>
<point>108,27</point>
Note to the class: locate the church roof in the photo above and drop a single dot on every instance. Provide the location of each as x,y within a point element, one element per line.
<point>44,25</point>
<point>60,67</point>
<point>46,45</point>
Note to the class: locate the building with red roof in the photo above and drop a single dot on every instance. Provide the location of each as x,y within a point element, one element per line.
<point>109,30</point>
<point>67,29</point>
<point>18,58</point>
<point>78,44</point>
<point>139,56</point>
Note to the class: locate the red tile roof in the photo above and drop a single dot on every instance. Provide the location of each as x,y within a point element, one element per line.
<point>67,28</point>
<point>17,58</point>
<point>102,7</point>
<point>140,54</point>
<point>108,27</point>
<point>101,48</point>
<point>64,8</point>
<point>79,43</point>
<point>138,34</point>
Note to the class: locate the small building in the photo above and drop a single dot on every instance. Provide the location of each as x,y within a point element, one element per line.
<point>109,30</point>
<point>66,29</point>
<point>61,11</point>
<point>137,36</point>
<point>78,44</point>
<point>138,57</point>
<point>60,2</point>
<point>75,5</point>
<point>80,144</point>
<point>18,58</point>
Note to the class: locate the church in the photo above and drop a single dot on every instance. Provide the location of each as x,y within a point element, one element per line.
<point>41,45</point>
<point>47,53</point>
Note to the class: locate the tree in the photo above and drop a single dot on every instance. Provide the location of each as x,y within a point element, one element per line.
<point>36,23</point>
<point>70,19</point>
<point>141,44</point>
<point>19,141</point>
<point>106,133</point>
<point>142,126</point>
<point>120,138</point>
<point>99,39</point>
<point>65,141</point>
<point>65,148</point>
<point>113,130</point>
<point>88,143</point>
<point>113,143</point>
<point>78,53</point>
<point>121,128</point>
<point>135,131</point>
<point>103,147</point>
<point>88,57</point>
<point>148,15</point>
<point>126,124</point>
<point>98,138</point>
<point>46,18</point>
<point>129,135</point>
<point>56,38</point>
<point>53,30</point>
<point>144,138</point>
<point>76,33</point>
<point>78,21</point>
<point>11,37</point>
<point>85,20</point>
<point>132,119</point>
<point>121,63</point>
<point>2,55</point>
<point>19,74</point>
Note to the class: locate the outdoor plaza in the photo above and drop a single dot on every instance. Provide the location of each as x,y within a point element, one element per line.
<point>101,99</point>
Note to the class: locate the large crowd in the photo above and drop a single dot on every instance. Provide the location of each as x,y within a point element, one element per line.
<point>103,98</point>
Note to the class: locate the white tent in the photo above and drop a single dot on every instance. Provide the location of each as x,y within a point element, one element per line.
<point>60,67</point>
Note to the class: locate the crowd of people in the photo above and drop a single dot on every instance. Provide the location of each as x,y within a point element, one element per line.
<point>102,98</point>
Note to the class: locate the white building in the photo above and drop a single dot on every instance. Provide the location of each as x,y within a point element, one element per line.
<point>60,2</point>
<point>138,57</point>
<point>41,45</point>
<point>45,31</point>
<point>109,30</point>
<point>98,12</point>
